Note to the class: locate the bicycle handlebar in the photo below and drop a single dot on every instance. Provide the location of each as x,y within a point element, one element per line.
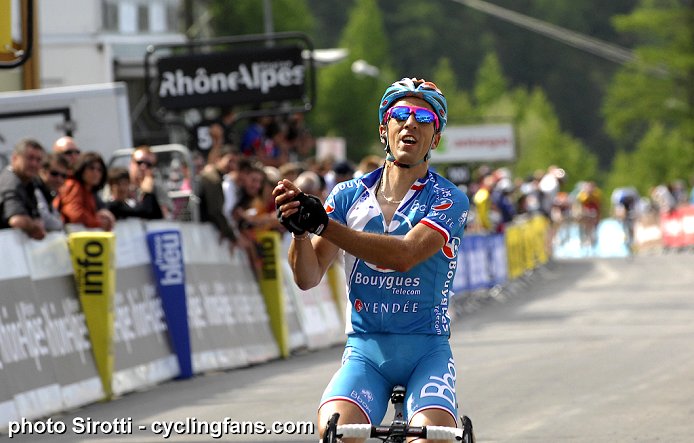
<point>430,432</point>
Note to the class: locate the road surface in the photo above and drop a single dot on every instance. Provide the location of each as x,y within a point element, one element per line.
<point>595,350</point>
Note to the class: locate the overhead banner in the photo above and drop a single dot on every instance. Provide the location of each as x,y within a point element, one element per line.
<point>229,78</point>
<point>481,143</point>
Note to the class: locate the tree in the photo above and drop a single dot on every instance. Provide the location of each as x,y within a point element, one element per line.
<point>542,142</point>
<point>460,109</point>
<point>241,17</point>
<point>491,84</point>
<point>347,105</point>
<point>650,103</point>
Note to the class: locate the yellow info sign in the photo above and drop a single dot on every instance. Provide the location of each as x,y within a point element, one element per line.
<point>5,25</point>
<point>95,277</point>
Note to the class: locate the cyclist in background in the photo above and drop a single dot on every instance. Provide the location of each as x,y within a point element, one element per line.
<point>589,199</point>
<point>400,227</point>
<point>624,201</point>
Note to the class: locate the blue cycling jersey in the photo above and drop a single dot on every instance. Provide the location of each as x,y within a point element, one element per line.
<point>383,300</point>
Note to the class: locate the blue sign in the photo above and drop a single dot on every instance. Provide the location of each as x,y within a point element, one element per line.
<point>166,252</point>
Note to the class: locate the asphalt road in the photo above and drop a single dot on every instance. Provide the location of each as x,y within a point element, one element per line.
<point>594,350</point>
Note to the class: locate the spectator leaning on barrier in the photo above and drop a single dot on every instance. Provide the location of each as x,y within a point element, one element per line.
<point>401,223</point>
<point>142,167</point>
<point>121,206</point>
<point>78,200</point>
<point>51,177</point>
<point>250,179</point>
<point>66,146</point>
<point>211,195</point>
<point>18,206</point>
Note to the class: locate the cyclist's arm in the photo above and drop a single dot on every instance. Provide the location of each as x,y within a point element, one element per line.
<point>397,253</point>
<point>310,259</point>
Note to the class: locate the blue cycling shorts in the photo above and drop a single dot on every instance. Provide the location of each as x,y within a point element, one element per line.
<point>373,363</point>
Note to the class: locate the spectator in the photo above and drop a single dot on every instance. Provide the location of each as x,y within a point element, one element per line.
<point>18,207</point>
<point>299,140</point>
<point>310,183</point>
<point>340,172</point>
<point>274,151</point>
<point>121,206</point>
<point>487,215</point>
<point>549,187</point>
<point>78,200</point>
<point>501,199</point>
<point>249,180</point>
<point>142,165</point>
<point>211,195</point>
<point>253,138</point>
<point>52,176</point>
<point>663,199</point>
<point>291,170</point>
<point>530,200</point>
<point>66,145</point>
<point>367,164</point>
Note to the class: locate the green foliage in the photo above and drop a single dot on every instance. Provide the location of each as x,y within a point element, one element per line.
<point>541,142</point>
<point>649,108</point>
<point>490,84</point>
<point>492,71</point>
<point>661,156</point>
<point>460,108</point>
<point>347,105</point>
<point>239,17</point>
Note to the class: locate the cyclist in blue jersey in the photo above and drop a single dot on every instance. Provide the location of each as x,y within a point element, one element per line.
<point>400,227</point>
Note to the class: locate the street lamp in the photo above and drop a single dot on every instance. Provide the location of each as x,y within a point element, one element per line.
<point>362,68</point>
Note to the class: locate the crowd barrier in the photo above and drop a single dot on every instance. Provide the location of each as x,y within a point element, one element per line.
<point>87,316</point>
<point>678,227</point>
<point>492,260</point>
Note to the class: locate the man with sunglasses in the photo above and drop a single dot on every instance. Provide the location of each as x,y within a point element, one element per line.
<point>52,175</point>
<point>67,146</point>
<point>143,179</point>
<point>399,227</point>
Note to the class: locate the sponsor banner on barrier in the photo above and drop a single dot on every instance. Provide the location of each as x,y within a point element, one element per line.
<point>338,286</point>
<point>216,339</point>
<point>143,355</point>
<point>297,337</point>
<point>272,287</point>
<point>25,357</point>
<point>515,251</point>
<point>63,321</point>
<point>166,256</point>
<point>261,344</point>
<point>476,255</point>
<point>498,264</point>
<point>678,227</point>
<point>93,264</point>
<point>317,312</point>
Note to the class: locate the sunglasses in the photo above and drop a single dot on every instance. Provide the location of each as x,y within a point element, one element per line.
<point>148,164</point>
<point>422,115</point>
<point>72,152</point>
<point>57,174</point>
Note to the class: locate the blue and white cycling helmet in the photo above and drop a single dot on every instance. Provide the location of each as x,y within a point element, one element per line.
<point>413,87</point>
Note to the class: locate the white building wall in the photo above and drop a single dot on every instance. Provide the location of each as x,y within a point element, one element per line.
<point>75,49</point>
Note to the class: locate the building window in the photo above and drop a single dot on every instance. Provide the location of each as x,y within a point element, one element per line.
<point>110,16</point>
<point>143,18</point>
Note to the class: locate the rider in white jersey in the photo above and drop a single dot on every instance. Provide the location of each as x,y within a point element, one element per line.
<point>400,228</point>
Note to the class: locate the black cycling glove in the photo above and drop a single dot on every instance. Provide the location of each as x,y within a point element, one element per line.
<point>311,216</point>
